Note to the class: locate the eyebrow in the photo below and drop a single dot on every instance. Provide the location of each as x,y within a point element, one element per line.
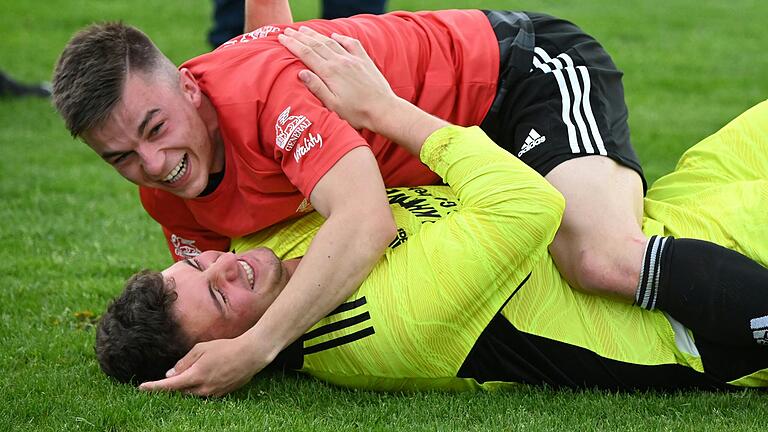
<point>147,118</point>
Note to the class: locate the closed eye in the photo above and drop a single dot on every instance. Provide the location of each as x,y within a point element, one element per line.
<point>194,263</point>
<point>122,157</point>
<point>155,130</point>
<point>216,301</point>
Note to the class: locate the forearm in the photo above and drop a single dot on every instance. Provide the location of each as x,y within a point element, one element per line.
<point>403,123</point>
<point>340,257</point>
<point>259,13</point>
<point>516,209</point>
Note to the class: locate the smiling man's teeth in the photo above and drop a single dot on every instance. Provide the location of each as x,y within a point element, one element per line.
<point>248,272</point>
<point>177,172</point>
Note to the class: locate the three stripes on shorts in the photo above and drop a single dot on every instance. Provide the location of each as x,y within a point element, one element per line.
<point>577,110</point>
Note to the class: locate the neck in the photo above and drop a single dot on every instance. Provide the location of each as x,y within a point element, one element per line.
<point>291,265</point>
<point>208,114</point>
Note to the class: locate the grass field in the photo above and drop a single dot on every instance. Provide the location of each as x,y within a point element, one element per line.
<point>71,231</point>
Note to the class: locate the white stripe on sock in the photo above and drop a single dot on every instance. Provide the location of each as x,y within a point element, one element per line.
<point>658,273</point>
<point>651,273</point>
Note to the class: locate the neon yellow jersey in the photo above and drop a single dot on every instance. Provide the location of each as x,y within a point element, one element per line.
<point>419,313</point>
<point>428,315</point>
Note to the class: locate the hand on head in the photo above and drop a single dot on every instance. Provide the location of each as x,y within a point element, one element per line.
<point>342,76</point>
<point>212,368</point>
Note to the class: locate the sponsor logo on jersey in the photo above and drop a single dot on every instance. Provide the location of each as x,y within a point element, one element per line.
<point>759,328</point>
<point>310,142</point>
<point>533,139</point>
<point>183,247</point>
<point>400,238</point>
<point>289,128</point>
<point>259,33</point>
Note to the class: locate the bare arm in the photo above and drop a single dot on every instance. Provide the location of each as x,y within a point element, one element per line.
<point>358,227</point>
<point>259,13</point>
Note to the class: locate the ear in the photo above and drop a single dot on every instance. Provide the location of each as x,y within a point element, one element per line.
<point>189,87</point>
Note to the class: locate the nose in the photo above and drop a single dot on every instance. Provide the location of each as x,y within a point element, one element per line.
<point>152,160</point>
<point>225,268</point>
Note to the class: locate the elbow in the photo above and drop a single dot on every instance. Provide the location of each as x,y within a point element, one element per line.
<point>383,230</point>
<point>378,228</point>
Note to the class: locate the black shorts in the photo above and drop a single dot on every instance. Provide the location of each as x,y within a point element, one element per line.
<point>559,95</point>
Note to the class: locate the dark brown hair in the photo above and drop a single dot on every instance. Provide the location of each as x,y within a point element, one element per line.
<point>91,71</point>
<point>138,339</point>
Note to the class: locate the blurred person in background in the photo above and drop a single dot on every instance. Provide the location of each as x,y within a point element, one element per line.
<point>9,87</point>
<point>229,16</point>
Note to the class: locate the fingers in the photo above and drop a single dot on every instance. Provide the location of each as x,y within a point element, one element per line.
<point>310,44</point>
<point>188,360</point>
<point>303,52</point>
<point>190,382</point>
<point>317,87</point>
<point>323,44</point>
<point>183,382</point>
<point>351,45</point>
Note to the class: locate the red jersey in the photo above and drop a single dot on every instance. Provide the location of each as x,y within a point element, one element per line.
<point>279,139</point>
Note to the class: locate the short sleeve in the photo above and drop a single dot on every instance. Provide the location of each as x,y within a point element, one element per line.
<point>307,138</point>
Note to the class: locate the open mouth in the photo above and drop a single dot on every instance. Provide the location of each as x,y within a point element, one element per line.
<point>178,172</point>
<point>248,272</point>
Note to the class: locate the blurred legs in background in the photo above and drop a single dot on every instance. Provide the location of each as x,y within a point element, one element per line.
<point>12,88</point>
<point>229,15</point>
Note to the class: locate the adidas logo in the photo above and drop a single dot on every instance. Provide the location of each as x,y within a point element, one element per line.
<point>532,141</point>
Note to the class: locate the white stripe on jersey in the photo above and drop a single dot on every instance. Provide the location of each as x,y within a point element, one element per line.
<point>580,100</point>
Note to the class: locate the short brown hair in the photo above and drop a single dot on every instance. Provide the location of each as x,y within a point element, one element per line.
<point>138,339</point>
<point>91,71</point>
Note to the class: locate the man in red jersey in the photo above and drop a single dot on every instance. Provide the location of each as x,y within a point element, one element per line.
<point>232,142</point>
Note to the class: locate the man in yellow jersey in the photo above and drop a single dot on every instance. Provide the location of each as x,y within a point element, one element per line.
<point>467,295</point>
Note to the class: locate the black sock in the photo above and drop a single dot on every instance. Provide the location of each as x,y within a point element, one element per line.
<point>717,293</point>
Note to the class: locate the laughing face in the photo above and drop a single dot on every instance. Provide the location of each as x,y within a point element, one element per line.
<point>156,136</point>
<point>221,295</point>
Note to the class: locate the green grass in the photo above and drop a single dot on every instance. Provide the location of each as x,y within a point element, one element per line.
<point>72,231</point>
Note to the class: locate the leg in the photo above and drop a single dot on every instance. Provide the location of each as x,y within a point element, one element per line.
<point>567,119</point>
<point>344,8</point>
<point>228,21</point>
<point>12,88</point>
<point>599,246</point>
